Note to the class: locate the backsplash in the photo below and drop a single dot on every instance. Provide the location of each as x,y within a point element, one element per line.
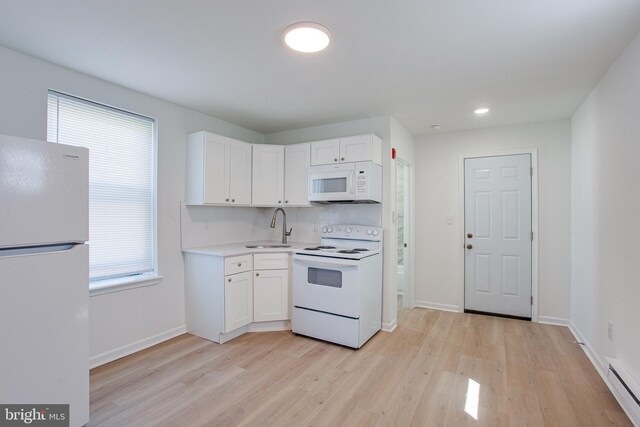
<point>216,225</point>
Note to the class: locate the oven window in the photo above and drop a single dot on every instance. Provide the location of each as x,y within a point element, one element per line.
<point>324,277</point>
<point>330,185</point>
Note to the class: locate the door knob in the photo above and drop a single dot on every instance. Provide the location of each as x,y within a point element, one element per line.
<point>469,246</point>
<point>469,235</point>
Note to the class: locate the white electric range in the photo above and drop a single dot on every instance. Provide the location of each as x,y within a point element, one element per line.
<point>337,286</point>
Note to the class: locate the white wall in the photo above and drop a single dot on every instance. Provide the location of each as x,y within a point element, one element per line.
<point>605,209</point>
<point>119,320</point>
<point>392,133</point>
<point>439,276</point>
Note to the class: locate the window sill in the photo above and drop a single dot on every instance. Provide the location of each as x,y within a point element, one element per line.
<point>123,284</point>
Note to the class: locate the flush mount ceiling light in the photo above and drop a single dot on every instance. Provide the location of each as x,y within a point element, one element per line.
<point>307,37</point>
<point>481,111</point>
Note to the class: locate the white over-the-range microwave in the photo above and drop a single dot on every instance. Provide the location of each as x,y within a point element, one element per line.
<point>359,182</point>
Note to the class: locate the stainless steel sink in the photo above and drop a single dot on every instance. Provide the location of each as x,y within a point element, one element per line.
<point>266,246</point>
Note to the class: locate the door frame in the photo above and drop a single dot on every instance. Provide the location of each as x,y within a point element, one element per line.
<point>534,220</point>
<point>408,291</point>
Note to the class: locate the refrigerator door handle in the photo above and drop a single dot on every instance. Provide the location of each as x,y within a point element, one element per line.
<point>35,250</point>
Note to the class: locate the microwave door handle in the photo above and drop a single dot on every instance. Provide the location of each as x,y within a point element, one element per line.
<point>353,183</point>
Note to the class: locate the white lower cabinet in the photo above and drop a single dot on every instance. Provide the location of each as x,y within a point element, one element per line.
<point>270,295</point>
<point>271,287</point>
<point>238,301</point>
<point>218,304</point>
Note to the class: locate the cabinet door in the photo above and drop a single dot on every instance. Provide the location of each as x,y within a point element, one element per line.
<point>240,172</point>
<point>268,175</point>
<point>238,301</point>
<point>325,152</point>
<point>356,148</point>
<point>271,295</point>
<point>296,174</point>
<point>216,169</point>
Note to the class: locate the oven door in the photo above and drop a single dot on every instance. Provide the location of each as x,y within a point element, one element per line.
<point>325,284</point>
<point>332,185</point>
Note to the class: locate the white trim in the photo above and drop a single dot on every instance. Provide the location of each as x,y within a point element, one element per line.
<point>437,306</point>
<point>409,288</point>
<point>102,287</point>
<point>598,363</point>
<point>622,395</point>
<point>602,368</point>
<point>390,327</point>
<point>557,321</point>
<point>534,220</point>
<point>279,325</point>
<point>111,355</point>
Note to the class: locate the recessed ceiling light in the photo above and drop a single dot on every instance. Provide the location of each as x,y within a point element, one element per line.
<point>481,111</point>
<point>307,37</point>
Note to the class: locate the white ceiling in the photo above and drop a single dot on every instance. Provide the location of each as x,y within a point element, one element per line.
<point>422,61</point>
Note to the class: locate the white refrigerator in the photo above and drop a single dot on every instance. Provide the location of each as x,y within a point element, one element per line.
<point>44,275</point>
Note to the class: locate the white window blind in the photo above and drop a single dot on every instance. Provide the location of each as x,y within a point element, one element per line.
<point>121,182</point>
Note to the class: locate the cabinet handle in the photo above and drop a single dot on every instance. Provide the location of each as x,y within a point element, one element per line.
<point>257,274</point>
<point>286,201</point>
<point>342,158</point>
<point>226,200</point>
<point>335,159</point>
<point>239,264</point>
<point>279,201</point>
<point>229,280</point>
<point>233,200</point>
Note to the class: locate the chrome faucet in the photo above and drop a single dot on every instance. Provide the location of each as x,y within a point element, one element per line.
<point>285,233</point>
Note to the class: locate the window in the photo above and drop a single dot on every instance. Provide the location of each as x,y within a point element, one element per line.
<point>121,182</point>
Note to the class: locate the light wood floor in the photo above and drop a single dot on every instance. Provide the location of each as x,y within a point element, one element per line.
<point>528,375</point>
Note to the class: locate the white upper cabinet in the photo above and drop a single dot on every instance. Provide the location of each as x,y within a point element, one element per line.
<point>268,175</point>
<point>297,159</point>
<point>240,173</point>
<point>359,148</point>
<point>325,152</point>
<point>218,170</point>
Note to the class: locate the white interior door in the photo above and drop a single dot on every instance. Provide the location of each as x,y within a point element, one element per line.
<point>498,235</point>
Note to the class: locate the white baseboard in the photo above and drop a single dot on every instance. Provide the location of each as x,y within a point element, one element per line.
<point>597,363</point>
<point>601,367</point>
<point>391,326</point>
<point>437,306</point>
<point>278,325</point>
<point>558,321</point>
<point>111,355</point>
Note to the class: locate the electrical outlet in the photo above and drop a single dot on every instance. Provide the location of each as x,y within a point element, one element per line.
<point>610,331</point>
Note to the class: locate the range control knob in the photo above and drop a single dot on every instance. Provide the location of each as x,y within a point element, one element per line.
<point>375,232</point>
<point>330,230</point>
<point>348,230</point>
<point>369,231</point>
<point>324,229</point>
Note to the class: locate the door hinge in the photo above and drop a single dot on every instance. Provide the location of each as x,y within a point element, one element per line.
<point>531,299</point>
<point>531,170</point>
<point>532,236</point>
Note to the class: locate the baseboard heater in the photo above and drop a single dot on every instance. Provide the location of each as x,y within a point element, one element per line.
<point>626,390</point>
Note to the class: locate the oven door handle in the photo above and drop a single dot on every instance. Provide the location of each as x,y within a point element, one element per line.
<point>338,263</point>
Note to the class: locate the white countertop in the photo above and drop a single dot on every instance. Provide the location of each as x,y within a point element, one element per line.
<point>232,249</point>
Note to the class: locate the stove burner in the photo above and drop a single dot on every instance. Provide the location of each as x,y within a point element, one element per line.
<point>325,247</point>
<point>348,251</point>
<point>311,249</point>
<point>360,250</point>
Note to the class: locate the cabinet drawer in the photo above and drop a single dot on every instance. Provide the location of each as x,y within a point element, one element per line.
<point>269,261</point>
<point>237,264</point>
